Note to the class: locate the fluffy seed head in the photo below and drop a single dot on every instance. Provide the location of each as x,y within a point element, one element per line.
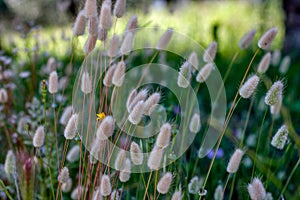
<point>126,46</point>
<point>285,64</point>
<point>205,72</point>
<point>235,161</point>
<point>249,87</point>
<point>269,196</point>
<point>107,81</point>
<point>151,102</point>
<point>136,114</point>
<point>3,95</point>
<point>164,39</point>
<point>86,84</point>
<point>90,44</point>
<point>63,176</point>
<point>264,63</point>
<point>39,137</point>
<point>247,39</point>
<point>210,53</point>
<point>184,75</point>
<point>176,195</point>
<point>105,15</point>
<point>155,158</point>
<point>256,190</point>
<point>105,186</point>
<point>10,162</point>
<point>164,183</point>
<point>266,40</point>
<point>130,98</point>
<point>80,24</point>
<point>280,138</point>
<point>141,96</point>
<point>193,60</point>
<point>119,74</point>
<point>274,95</point>
<point>70,130</point>
<point>90,8</point>
<point>195,123</point>
<point>120,160</point>
<point>51,64</point>
<point>66,115</point>
<point>194,185</point>
<point>125,172</point>
<point>164,136</point>
<point>73,154</point>
<point>114,46</point>
<point>131,24</point>
<point>275,109</point>
<point>67,186</point>
<point>115,195</point>
<point>218,195</point>
<point>106,128</point>
<point>276,56</point>
<point>53,82</point>
<point>119,8</point>
<point>102,34</point>
<point>136,154</point>
<point>93,26</point>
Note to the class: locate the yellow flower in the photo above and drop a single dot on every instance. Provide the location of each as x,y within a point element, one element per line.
<point>100,116</point>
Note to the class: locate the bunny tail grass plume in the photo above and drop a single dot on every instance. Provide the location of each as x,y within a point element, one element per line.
<point>164,136</point>
<point>194,185</point>
<point>80,24</point>
<point>114,46</point>
<point>67,186</point>
<point>115,195</point>
<point>130,98</point>
<point>97,194</point>
<point>264,64</point>
<point>53,82</point>
<point>256,190</point>
<point>119,8</point>
<point>136,114</point>
<point>235,161</point>
<point>3,95</point>
<point>205,72</point>
<point>63,176</point>
<point>132,24</point>
<point>164,183</point>
<point>106,128</point>
<point>126,46</point>
<point>105,15</point>
<point>10,162</point>
<point>280,138</point>
<point>155,158</point>
<point>275,109</point>
<point>90,8</point>
<point>152,100</point>
<point>126,171</point>
<point>269,196</point>
<point>276,56</point>
<point>51,65</point>
<point>274,95</point>
<point>164,39</point>
<point>71,128</point>
<point>195,123</point>
<point>210,53</point>
<point>90,44</point>
<point>266,40</point>
<point>67,113</point>
<point>285,64</point>
<point>107,81</point>
<point>39,137</point>
<point>119,74</point>
<point>120,160</point>
<point>193,60</point>
<point>218,195</point>
<point>75,192</point>
<point>141,96</point>
<point>177,195</point>
<point>102,34</point>
<point>136,154</point>
<point>184,76</point>
<point>247,39</point>
<point>73,154</point>
<point>105,186</point>
<point>93,26</point>
<point>249,87</point>
<point>86,84</point>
